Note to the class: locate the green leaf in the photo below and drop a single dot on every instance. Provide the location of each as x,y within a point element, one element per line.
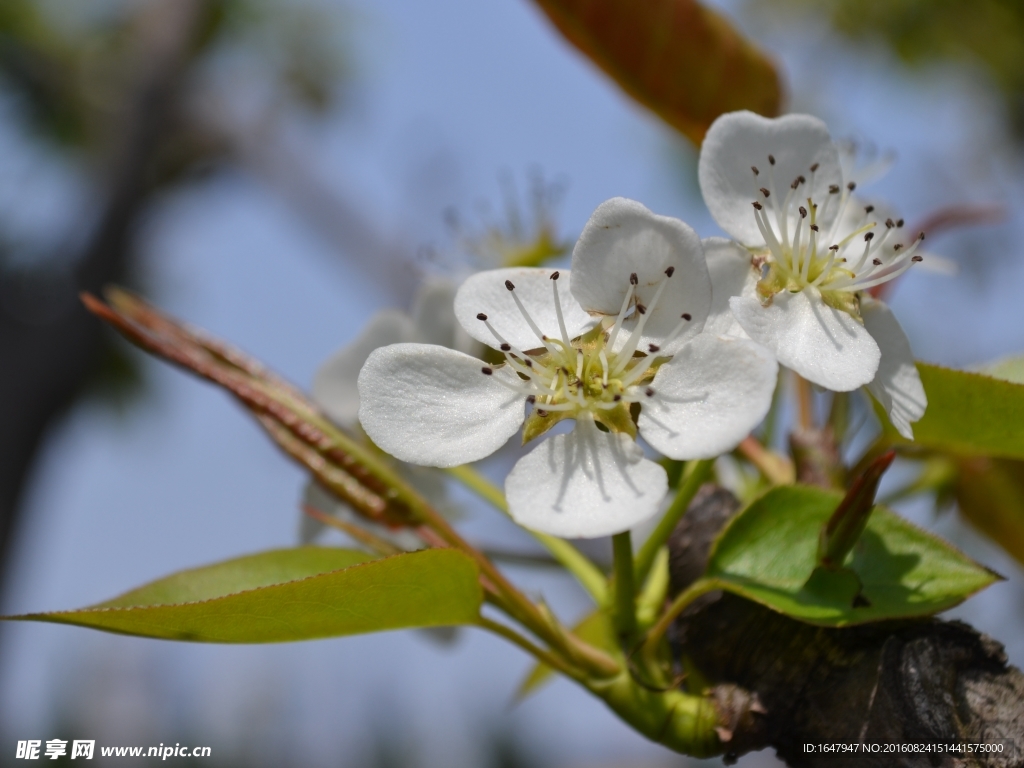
<point>969,414</point>
<point>595,628</point>
<point>297,594</point>
<point>683,61</point>
<point>896,570</point>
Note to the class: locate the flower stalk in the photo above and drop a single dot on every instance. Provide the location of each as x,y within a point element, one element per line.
<point>624,588</point>
<point>579,565</point>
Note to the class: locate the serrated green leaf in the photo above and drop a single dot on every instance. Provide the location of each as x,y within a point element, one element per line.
<point>263,569</point>
<point>287,595</point>
<point>683,61</point>
<point>896,570</point>
<point>595,628</point>
<point>969,414</point>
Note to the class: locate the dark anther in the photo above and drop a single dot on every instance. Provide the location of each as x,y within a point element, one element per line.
<point>814,227</point>
<point>616,398</point>
<point>649,391</point>
<point>531,399</point>
<point>541,412</point>
<point>481,316</point>
<point>899,223</point>
<point>757,205</point>
<point>686,316</point>
<point>508,284</point>
<point>897,246</point>
<point>801,178</point>
<point>506,347</point>
<point>529,362</point>
<point>486,371</point>
<point>869,237</point>
<point>641,309</point>
<point>877,262</point>
<point>653,347</point>
<point>814,168</point>
<point>917,258</point>
<point>889,224</point>
<point>765,192</point>
<point>803,212</point>
<point>833,247</point>
<point>554,275</point>
<point>754,169</point>
<point>868,208</point>
<point>670,271</point>
<point>633,279</point>
<point>796,183</point>
<point>851,186</point>
<point>771,159</point>
<point>921,236</point>
<point>833,189</point>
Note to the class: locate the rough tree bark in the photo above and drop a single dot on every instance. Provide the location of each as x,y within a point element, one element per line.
<point>48,351</point>
<point>788,683</point>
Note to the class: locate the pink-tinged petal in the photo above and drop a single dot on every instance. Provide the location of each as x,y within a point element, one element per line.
<point>737,141</point>
<point>824,345</point>
<point>486,293</point>
<point>585,484</point>
<point>623,238</point>
<point>708,397</point>
<point>434,406</point>
<point>897,384</point>
<point>334,385</point>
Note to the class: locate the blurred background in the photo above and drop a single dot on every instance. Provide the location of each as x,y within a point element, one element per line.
<point>276,171</point>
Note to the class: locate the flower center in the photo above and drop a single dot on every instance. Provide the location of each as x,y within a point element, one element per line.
<point>850,255</point>
<point>597,375</point>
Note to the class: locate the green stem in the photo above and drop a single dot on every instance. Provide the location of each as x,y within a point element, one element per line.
<point>624,589</point>
<point>514,602</point>
<point>543,656</point>
<point>683,599</point>
<point>693,477</point>
<point>574,561</point>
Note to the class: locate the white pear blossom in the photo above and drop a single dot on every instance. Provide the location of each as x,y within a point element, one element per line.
<point>619,332</point>
<point>806,251</point>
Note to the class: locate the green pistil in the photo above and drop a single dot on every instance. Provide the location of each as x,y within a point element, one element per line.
<point>780,278</point>
<point>616,418</point>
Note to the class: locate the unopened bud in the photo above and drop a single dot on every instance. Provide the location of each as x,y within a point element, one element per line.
<point>839,535</point>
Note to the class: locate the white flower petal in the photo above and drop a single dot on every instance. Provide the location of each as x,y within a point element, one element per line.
<point>334,385</point>
<point>623,237</point>
<point>732,274</point>
<point>738,140</point>
<point>708,397</point>
<point>824,345</point>
<point>585,484</point>
<point>431,405</point>
<point>485,292</point>
<point>433,312</point>
<point>897,385</point>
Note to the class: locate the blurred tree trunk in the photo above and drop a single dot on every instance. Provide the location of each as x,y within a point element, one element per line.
<point>48,343</point>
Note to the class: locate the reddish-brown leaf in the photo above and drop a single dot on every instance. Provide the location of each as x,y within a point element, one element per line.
<point>683,61</point>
